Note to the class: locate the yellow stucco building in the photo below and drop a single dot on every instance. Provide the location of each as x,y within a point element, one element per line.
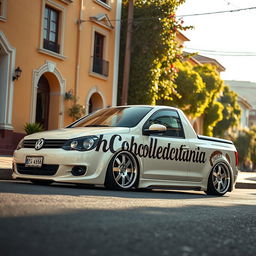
<point>50,50</point>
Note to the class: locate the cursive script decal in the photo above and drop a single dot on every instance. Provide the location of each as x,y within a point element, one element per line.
<point>152,150</point>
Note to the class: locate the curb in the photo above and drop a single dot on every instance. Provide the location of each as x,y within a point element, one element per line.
<point>6,174</point>
<point>244,185</point>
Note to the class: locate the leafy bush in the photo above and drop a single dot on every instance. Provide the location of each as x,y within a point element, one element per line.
<point>31,128</point>
<point>76,111</point>
<point>231,112</point>
<point>246,147</point>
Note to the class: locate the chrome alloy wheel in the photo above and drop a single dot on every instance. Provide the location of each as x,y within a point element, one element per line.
<point>124,169</point>
<point>221,178</point>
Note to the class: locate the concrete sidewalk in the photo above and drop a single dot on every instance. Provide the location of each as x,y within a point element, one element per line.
<point>5,167</point>
<point>245,179</point>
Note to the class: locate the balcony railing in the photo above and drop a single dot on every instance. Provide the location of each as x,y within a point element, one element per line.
<point>100,66</point>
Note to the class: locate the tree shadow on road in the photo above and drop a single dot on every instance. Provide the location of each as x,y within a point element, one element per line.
<point>24,187</point>
<point>190,230</point>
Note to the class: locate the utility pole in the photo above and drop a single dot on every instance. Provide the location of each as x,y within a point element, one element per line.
<point>127,59</point>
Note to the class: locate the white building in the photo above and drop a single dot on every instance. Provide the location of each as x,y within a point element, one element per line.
<point>246,91</point>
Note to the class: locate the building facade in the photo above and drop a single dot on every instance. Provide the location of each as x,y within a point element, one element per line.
<point>55,54</point>
<point>245,112</point>
<point>247,91</point>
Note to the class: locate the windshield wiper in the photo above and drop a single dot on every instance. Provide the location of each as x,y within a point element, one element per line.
<point>96,125</point>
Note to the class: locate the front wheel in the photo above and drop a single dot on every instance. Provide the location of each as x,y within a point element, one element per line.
<point>219,180</point>
<point>122,172</point>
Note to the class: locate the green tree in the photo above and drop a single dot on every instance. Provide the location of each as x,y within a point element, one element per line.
<point>246,147</point>
<point>212,115</point>
<point>214,84</point>
<point>197,90</point>
<point>214,87</point>
<point>154,50</point>
<point>190,89</point>
<point>231,112</point>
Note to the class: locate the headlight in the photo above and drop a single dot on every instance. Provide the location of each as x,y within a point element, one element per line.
<point>82,143</point>
<point>20,145</point>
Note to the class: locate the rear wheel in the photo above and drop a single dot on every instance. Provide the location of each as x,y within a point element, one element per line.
<point>219,180</point>
<point>122,172</point>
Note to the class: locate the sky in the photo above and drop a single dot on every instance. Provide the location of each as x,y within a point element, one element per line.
<point>226,33</point>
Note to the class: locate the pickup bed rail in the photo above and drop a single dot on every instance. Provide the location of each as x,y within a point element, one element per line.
<point>202,137</point>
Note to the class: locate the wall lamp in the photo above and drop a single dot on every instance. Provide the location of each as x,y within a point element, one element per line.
<point>17,73</point>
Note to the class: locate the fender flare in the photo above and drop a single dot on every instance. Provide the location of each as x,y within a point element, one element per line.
<point>138,161</point>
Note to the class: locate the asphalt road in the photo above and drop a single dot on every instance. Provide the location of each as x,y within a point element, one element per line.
<point>69,220</point>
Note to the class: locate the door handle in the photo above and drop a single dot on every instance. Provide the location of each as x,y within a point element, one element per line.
<point>185,147</point>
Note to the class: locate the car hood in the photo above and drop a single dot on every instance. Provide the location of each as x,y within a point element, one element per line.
<point>69,133</point>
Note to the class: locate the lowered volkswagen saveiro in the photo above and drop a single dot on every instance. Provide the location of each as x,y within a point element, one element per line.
<point>129,147</point>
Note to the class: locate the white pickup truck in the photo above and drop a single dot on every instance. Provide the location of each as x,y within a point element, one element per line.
<point>129,147</point>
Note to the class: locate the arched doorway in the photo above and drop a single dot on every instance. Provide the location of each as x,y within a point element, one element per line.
<point>95,102</point>
<point>57,87</point>
<point>42,102</point>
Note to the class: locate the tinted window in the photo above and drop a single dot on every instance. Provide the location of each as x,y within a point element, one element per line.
<point>170,119</point>
<point>114,117</point>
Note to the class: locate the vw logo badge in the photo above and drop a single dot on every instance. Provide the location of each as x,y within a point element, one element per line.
<point>39,144</point>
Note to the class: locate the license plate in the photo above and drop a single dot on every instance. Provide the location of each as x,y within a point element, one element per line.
<point>34,161</point>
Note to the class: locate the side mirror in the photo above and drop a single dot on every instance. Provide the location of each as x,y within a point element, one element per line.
<point>154,128</point>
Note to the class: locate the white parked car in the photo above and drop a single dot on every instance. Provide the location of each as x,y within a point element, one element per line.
<point>129,147</point>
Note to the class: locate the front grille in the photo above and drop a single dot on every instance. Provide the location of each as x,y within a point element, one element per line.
<point>47,143</point>
<point>46,169</point>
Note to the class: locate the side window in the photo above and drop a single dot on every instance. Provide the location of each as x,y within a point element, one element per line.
<point>53,28</point>
<point>104,3</point>
<point>51,25</point>
<point>100,66</point>
<point>170,119</point>
<point>3,11</point>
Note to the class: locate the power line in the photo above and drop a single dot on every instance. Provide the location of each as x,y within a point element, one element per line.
<point>180,16</point>
<point>232,55</point>
<point>224,53</point>
<point>218,12</point>
<point>217,51</point>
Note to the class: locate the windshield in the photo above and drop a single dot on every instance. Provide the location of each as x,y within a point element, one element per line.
<point>113,117</point>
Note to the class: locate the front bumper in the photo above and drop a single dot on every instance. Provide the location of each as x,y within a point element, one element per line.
<point>63,161</point>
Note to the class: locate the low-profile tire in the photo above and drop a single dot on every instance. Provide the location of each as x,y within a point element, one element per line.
<point>219,180</point>
<point>42,182</point>
<point>122,172</point>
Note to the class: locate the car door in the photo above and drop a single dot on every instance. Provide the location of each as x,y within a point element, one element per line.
<point>166,157</point>
<point>199,167</point>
